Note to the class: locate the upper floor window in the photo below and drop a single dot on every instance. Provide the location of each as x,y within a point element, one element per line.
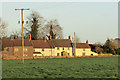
<point>25,49</point>
<point>68,48</point>
<point>43,49</point>
<point>83,49</point>
<point>57,48</point>
<point>16,49</point>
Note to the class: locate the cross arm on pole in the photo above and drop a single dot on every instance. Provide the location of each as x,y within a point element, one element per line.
<point>22,9</point>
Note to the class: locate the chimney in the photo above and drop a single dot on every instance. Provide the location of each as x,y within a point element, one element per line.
<point>29,36</point>
<point>87,41</point>
<point>11,37</point>
<point>50,37</point>
<point>69,37</point>
<point>45,38</point>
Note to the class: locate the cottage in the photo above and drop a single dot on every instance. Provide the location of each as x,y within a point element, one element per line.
<point>28,48</point>
<point>13,47</point>
<point>83,49</point>
<point>41,48</point>
<point>63,47</point>
<point>7,47</point>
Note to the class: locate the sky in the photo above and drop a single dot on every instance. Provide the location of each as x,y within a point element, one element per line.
<point>92,21</point>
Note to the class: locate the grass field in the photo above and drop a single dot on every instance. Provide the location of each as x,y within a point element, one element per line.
<point>84,67</point>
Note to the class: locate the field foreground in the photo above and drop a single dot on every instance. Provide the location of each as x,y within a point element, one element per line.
<point>84,67</point>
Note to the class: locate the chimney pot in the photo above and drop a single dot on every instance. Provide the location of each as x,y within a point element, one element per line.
<point>11,37</point>
<point>69,37</point>
<point>44,37</point>
<point>87,41</point>
<point>29,36</point>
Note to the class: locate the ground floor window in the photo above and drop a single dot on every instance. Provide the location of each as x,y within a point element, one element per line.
<point>91,54</point>
<point>42,49</point>
<point>68,54</point>
<point>58,54</point>
<point>83,54</point>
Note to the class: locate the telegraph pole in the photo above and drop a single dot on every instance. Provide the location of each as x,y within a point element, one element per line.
<point>22,31</point>
<point>74,44</point>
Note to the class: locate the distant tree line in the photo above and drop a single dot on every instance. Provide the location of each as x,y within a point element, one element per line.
<point>110,46</point>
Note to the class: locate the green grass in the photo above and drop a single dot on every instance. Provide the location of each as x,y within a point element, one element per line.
<point>84,67</point>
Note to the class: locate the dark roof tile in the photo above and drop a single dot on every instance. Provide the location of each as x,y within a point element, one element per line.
<point>40,44</point>
<point>62,42</point>
<point>82,45</point>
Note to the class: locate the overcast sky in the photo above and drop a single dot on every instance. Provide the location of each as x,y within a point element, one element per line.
<point>93,21</point>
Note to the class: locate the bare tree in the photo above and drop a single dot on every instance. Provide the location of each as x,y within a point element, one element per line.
<point>3,31</point>
<point>54,29</point>
<point>38,27</point>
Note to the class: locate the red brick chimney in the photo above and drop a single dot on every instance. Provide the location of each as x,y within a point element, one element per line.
<point>69,37</point>
<point>87,41</point>
<point>44,37</point>
<point>29,36</point>
<point>11,37</point>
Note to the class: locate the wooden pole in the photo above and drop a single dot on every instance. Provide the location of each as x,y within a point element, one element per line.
<point>22,35</point>
<point>22,32</point>
<point>74,44</point>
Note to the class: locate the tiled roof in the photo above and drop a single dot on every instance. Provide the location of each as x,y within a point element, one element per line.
<point>40,44</point>
<point>62,42</point>
<point>7,43</point>
<point>15,42</point>
<point>18,42</point>
<point>51,44</point>
<point>82,45</point>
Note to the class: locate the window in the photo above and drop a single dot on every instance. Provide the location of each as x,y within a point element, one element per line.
<point>57,54</point>
<point>16,49</point>
<point>57,48</point>
<point>91,54</point>
<point>34,50</point>
<point>25,54</point>
<point>25,49</point>
<point>68,54</point>
<point>7,49</point>
<point>68,48</point>
<point>83,49</point>
<point>63,48</point>
<point>43,49</point>
<point>83,54</point>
